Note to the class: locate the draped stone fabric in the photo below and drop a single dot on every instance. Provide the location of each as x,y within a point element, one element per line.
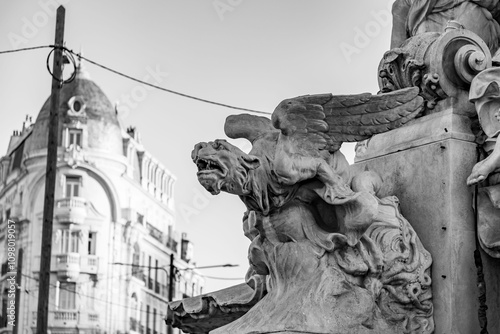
<point>485,93</point>
<point>413,17</point>
<point>489,220</point>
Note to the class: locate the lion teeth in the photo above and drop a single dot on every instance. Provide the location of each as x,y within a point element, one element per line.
<point>204,164</point>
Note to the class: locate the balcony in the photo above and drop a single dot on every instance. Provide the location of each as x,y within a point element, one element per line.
<point>90,264</point>
<point>139,274</point>
<point>71,209</point>
<point>70,318</point>
<point>68,266</point>
<point>64,318</point>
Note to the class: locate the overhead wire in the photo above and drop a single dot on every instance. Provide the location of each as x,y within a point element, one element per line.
<point>67,56</point>
<point>27,49</point>
<point>145,311</point>
<point>137,80</point>
<point>165,89</point>
<point>71,58</point>
<point>224,278</point>
<point>110,277</point>
<point>87,296</point>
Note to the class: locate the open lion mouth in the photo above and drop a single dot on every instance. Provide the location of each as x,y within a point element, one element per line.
<point>210,174</point>
<point>208,165</point>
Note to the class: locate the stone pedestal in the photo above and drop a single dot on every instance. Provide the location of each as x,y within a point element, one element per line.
<point>425,164</point>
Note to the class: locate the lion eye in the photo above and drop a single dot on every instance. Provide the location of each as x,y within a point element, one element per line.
<point>219,145</point>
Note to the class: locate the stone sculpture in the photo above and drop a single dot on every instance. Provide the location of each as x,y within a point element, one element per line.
<point>331,255</point>
<point>485,93</point>
<point>330,252</point>
<point>415,17</point>
<point>442,64</point>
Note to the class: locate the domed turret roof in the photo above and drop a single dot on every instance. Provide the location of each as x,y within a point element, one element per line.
<point>103,129</point>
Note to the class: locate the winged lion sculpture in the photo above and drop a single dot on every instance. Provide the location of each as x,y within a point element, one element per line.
<point>334,256</point>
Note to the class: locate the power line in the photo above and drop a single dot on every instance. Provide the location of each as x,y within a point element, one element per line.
<point>224,278</point>
<point>88,296</point>
<point>140,321</point>
<point>138,80</point>
<point>108,277</point>
<point>165,89</point>
<point>27,49</point>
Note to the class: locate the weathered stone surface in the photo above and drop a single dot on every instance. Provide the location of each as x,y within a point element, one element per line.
<point>337,259</point>
<point>419,132</point>
<point>426,164</point>
<point>489,219</point>
<point>362,289</point>
<point>335,251</point>
<point>414,17</point>
<point>204,313</point>
<point>485,93</point>
<point>442,64</point>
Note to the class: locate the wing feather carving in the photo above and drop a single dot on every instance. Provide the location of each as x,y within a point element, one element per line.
<point>325,120</point>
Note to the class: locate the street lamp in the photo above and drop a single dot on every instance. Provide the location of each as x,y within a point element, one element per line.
<point>171,278</point>
<point>149,267</point>
<point>173,269</point>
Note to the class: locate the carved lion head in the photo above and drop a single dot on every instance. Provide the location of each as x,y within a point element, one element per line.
<point>223,167</point>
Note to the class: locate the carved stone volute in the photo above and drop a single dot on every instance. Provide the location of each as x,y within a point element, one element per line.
<point>441,65</point>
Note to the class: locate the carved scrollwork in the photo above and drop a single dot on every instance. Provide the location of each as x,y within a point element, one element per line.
<point>441,65</point>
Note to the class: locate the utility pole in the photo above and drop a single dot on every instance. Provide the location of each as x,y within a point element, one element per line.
<point>18,288</point>
<point>50,177</point>
<point>171,283</point>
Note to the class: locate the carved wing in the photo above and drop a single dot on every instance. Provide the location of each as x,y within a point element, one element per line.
<point>326,120</point>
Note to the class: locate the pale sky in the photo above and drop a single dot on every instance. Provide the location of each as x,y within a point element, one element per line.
<point>247,53</point>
